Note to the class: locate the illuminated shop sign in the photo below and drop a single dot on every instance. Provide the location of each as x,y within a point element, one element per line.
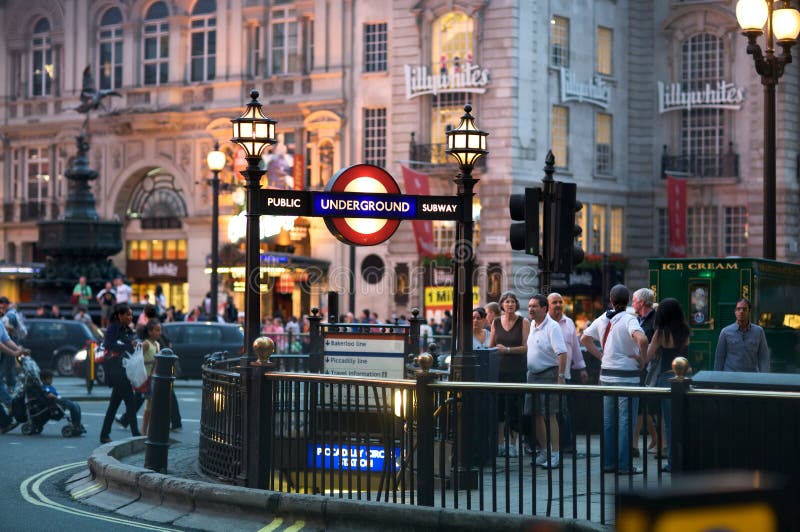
<point>723,95</point>
<point>595,91</point>
<point>467,78</point>
<point>352,457</point>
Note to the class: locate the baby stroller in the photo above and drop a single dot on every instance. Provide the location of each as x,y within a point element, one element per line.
<point>31,406</point>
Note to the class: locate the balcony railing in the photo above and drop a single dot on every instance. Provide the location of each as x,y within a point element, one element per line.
<point>700,165</point>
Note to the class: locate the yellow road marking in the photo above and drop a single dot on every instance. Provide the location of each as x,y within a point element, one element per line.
<point>85,491</point>
<point>298,525</point>
<point>273,525</point>
<point>34,483</point>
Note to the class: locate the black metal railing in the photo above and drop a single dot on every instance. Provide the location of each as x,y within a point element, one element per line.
<point>434,443</point>
<point>719,165</point>
<point>221,444</point>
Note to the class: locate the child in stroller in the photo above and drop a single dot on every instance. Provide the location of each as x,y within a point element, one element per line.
<point>37,402</point>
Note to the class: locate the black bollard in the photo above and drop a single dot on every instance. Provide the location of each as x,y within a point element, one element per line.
<point>155,457</point>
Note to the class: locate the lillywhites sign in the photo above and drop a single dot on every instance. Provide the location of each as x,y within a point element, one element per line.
<point>466,78</point>
<point>722,95</point>
<point>595,92</point>
<point>166,269</point>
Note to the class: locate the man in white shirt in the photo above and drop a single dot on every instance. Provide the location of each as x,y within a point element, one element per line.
<point>555,308</point>
<point>622,355</point>
<point>547,363</point>
<point>122,291</point>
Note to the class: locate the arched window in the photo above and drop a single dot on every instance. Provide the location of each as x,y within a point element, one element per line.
<point>157,202</point>
<point>451,49</point>
<point>703,130</point>
<point>109,39</point>
<point>155,45</point>
<point>42,72</point>
<point>204,41</point>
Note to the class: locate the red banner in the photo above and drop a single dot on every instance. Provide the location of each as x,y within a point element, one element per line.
<point>676,212</point>
<point>417,184</point>
<point>299,171</point>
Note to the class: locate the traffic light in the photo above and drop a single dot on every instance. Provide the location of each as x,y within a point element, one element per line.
<point>566,254</point>
<point>524,208</point>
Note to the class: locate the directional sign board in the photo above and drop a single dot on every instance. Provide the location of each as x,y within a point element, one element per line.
<point>378,356</point>
<point>361,205</point>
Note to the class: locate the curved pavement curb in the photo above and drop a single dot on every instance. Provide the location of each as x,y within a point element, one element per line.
<point>138,492</point>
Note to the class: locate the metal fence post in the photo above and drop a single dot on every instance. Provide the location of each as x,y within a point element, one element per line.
<point>425,432</point>
<point>413,333</point>
<point>259,435</point>
<point>155,456</point>
<point>680,414</point>
<point>315,341</point>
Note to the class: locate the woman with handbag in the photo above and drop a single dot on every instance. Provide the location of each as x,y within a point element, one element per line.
<point>118,343</point>
<point>670,340</point>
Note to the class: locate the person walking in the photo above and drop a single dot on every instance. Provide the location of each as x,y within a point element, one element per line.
<point>742,346</point>
<point>122,291</point>
<point>151,337</point>
<point>546,364</point>
<point>118,342</point>
<point>623,349</point>
<point>15,329</point>
<point>670,340</point>
<point>508,334</point>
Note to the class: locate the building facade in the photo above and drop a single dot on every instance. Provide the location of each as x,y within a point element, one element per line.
<point>603,84</point>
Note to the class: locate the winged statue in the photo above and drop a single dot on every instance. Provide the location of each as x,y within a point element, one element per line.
<point>91,98</point>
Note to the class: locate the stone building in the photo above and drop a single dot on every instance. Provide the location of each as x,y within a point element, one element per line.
<point>599,82</point>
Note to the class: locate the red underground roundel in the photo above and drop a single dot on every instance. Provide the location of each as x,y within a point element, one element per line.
<point>368,180</point>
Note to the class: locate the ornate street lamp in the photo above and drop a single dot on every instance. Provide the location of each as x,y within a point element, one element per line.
<point>216,162</point>
<point>783,26</point>
<point>254,132</point>
<point>466,143</point>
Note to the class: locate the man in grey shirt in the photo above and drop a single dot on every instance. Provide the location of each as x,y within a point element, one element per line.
<point>742,346</point>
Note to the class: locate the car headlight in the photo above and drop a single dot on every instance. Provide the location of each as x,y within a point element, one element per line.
<point>80,356</point>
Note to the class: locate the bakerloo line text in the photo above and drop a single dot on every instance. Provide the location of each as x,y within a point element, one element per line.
<point>353,456</point>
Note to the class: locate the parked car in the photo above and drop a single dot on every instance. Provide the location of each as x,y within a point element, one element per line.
<point>193,341</point>
<point>80,365</point>
<point>53,343</point>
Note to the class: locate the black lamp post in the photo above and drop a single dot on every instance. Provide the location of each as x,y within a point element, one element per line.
<point>253,132</point>
<point>466,144</point>
<point>783,26</point>
<point>216,162</point>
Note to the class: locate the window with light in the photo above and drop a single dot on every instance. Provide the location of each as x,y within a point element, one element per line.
<point>559,42</point>
<point>559,132</point>
<point>605,41</point>
<point>602,144</point>
<point>42,69</point>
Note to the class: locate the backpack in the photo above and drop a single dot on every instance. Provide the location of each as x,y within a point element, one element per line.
<point>17,321</point>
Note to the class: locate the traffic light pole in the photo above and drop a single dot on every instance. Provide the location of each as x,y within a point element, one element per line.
<point>548,194</point>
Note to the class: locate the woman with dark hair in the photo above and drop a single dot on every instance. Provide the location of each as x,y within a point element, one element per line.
<point>509,335</point>
<point>670,340</point>
<point>118,342</point>
<point>480,336</point>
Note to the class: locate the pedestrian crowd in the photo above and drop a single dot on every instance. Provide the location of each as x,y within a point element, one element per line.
<point>633,348</point>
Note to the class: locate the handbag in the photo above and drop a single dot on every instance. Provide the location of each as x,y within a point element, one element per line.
<point>74,299</point>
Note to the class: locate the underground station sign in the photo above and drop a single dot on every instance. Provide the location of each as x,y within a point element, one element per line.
<point>361,205</point>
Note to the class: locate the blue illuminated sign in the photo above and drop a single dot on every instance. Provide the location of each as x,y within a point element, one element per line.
<point>343,205</point>
<point>350,457</point>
